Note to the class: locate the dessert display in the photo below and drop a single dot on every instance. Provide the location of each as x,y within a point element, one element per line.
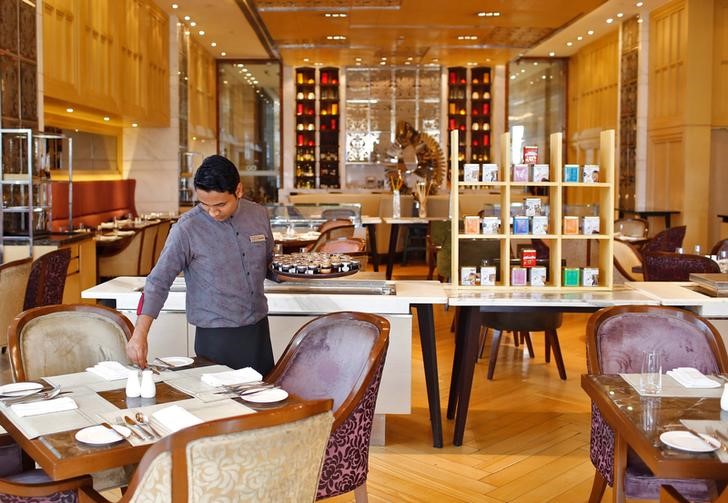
<point>314,265</point>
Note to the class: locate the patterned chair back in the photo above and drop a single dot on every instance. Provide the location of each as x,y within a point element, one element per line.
<point>675,266</point>
<point>665,241</point>
<point>339,356</point>
<point>47,279</point>
<point>66,338</point>
<point>272,455</point>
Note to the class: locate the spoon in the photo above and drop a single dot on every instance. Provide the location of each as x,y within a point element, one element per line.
<point>144,421</point>
<point>45,395</point>
<point>139,430</point>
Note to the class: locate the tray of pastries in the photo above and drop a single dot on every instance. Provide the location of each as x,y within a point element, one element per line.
<point>310,265</point>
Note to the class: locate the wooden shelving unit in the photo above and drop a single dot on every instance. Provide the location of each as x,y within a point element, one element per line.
<point>555,239</point>
<point>305,175</point>
<point>329,125</point>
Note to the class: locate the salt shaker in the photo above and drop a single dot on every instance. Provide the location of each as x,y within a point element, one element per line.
<point>148,388</point>
<point>133,387</point>
<point>724,398</point>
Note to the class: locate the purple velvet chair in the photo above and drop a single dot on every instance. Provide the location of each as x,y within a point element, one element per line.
<point>615,338</point>
<point>20,483</point>
<point>339,356</point>
<point>47,279</point>
<point>663,266</point>
<point>721,245</point>
<point>665,241</point>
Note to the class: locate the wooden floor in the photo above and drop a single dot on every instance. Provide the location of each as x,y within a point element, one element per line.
<point>527,435</point>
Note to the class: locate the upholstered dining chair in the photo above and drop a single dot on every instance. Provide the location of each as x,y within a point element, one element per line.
<point>675,266</point>
<point>339,356</point>
<point>162,233</point>
<point>124,262</point>
<point>272,455</point>
<point>665,241</point>
<point>626,258</point>
<point>343,245</point>
<point>13,279</point>
<point>146,256</point>
<point>720,246</point>
<point>47,279</point>
<point>615,339</point>
<point>66,338</point>
<point>632,227</point>
<point>333,229</point>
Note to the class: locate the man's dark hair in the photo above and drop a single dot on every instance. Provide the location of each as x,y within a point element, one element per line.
<point>217,174</point>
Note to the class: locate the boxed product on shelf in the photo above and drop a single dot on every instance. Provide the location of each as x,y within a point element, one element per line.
<point>571,276</point>
<point>540,173</point>
<point>519,173</point>
<point>490,172</point>
<point>571,225</point>
<point>518,276</point>
<point>490,225</point>
<point>471,224</point>
<point>469,276</point>
<point>471,172</point>
<point>590,225</point>
<point>590,173</point>
<point>538,276</point>
<point>590,276</point>
<point>533,206</point>
<point>487,275</point>
<point>520,225</point>
<point>530,154</point>
<point>540,224</point>
<point>528,257</point>
<point>571,173</point>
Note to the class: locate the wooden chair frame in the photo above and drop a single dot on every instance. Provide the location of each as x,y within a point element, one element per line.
<point>176,444</point>
<point>25,317</point>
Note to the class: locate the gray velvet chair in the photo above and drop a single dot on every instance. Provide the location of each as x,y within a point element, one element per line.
<point>616,337</point>
<point>66,338</point>
<point>13,281</point>
<point>339,356</point>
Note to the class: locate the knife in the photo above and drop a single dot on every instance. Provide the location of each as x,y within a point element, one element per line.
<point>133,424</point>
<point>709,440</point>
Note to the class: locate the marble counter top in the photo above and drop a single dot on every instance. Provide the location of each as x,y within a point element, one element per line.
<point>535,298</point>
<point>682,294</point>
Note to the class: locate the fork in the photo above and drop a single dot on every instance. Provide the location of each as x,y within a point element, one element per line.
<point>720,436</point>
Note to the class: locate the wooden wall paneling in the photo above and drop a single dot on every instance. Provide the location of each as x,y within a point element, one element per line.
<point>60,49</point>
<point>666,169</point>
<point>132,59</point>
<point>99,54</point>
<point>720,64</point>
<point>157,67</point>
<point>202,92</point>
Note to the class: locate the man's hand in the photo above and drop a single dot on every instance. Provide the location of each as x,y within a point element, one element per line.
<point>136,348</point>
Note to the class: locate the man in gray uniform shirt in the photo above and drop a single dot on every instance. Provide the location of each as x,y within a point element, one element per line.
<point>224,246</point>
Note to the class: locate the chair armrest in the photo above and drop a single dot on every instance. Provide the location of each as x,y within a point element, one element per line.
<point>90,494</point>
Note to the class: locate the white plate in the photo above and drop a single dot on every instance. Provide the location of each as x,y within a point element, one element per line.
<point>686,441</point>
<point>20,388</point>
<point>266,396</point>
<point>177,361</point>
<point>98,435</point>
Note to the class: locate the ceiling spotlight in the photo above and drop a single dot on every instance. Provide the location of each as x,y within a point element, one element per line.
<point>335,14</point>
<point>552,54</point>
<point>513,77</point>
<point>175,6</point>
<point>639,4</point>
<point>107,119</point>
<point>523,70</point>
<point>535,63</point>
<point>408,62</point>
<point>213,44</point>
<point>335,37</point>
<point>223,54</point>
<point>435,60</point>
<point>610,20</point>
<point>620,14</point>
<point>569,44</point>
<point>590,32</point>
<point>201,33</point>
<point>69,110</point>
<point>305,60</point>
<point>467,37</point>
<point>134,124</point>
<point>357,59</point>
<point>358,63</point>
<point>382,62</point>
<point>471,63</point>
<point>193,24</point>
<point>579,38</point>
<point>488,14</point>
<point>187,18</point>
<point>640,20</point>
<point>383,58</point>
<point>225,82</point>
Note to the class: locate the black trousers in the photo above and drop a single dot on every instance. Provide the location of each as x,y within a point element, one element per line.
<point>237,347</point>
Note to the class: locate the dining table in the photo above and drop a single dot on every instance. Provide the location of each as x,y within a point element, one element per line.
<point>50,439</point>
<point>644,423</point>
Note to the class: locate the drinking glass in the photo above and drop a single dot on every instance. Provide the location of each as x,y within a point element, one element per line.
<point>651,375</point>
<point>649,413</point>
<point>697,250</point>
<point>679,250</point>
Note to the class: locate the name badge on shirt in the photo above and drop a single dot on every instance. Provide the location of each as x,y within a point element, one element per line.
<point>257,238</point>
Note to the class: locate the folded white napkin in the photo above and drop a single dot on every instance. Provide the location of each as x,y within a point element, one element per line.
<point>174,418</point>
<point>44,407</point>
<point>109,370</point>
<point>692,378</point>
<point>230,377</point>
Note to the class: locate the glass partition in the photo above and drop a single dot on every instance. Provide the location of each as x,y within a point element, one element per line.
<point>249,109</point>
<point>311,215</point>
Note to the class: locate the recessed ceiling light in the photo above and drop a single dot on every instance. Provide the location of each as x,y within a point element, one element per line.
<point>552,54</point>
<point>487,60</point>
<point>134,124</point>
<point>383,58</point>
<point>305,60</point>
<point>471,63</point>
<point>513,77</point>
<point>193,24</point>
<point>223,54</point>
<point>467,37</point>
<point>107,119</point>
<point>357,59</point>
<point>175,6</point>
<point>382,62</point>
<point>318,64</point>
<point>620,14</point>
<point>639,4</point>
<point>543,77</point>
<point>335,14</point>
<point>408,62</point>
<point>410,58</point>
<point>187,18</point>
<point>201,33</point>
<point>535,63</point>
<point>579,38</point>
<point>213,44</point>
<point>569,44</point>
<point>523,70</point>
<point>69,110</point>
<point>610,20</point>
<point>640,20</point>
<point>224,82</point>
<point>358,63</point>
<point>590,32</point>
<point>488,14</point>
<point>435,60</point>
<point>240,65</point>
<point>335,37</point>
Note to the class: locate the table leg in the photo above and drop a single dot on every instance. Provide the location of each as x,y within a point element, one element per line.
<point>471,331</point>
<point>426,322</point>
<point>668,219</point>
<point>371,228</point>
<point>462,315</point>
<point>619,467</point>
<point>393,234</point>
